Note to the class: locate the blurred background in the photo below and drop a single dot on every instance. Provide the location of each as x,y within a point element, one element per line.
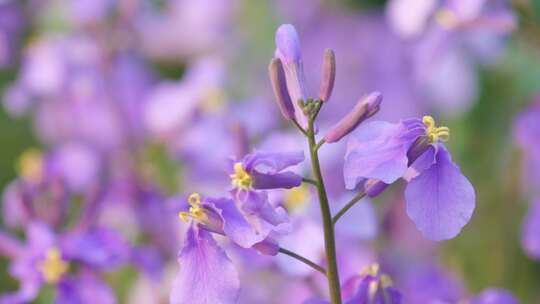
<point>170,88</point>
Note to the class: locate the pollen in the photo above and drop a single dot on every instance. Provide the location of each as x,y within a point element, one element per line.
<point>434,133</point>
<point>53,267</point>
<point>30,165</point>
<point>241,179</point>
<point>371,270</point>
<point>196,211</point>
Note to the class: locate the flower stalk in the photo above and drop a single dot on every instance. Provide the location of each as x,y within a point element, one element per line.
<point>332,272</point>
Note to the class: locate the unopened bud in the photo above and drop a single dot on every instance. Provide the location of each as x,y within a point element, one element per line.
<point>279,86</point>
<point>364,109</point>
<point>328,75</point>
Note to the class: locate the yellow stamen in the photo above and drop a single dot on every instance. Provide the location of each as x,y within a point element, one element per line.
<point>213,100</point>
<point>372,270</point>
<point>30,165</point>
<point>446,18</point>
<point>53,267</point>
<point>297,198</point>
<point>196,212</point>
<point>433,132</point>
<point>241,179</point>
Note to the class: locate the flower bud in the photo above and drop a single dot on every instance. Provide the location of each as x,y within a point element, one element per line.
<point>279,86</point>
<point>328,75</point>
<point>288,51</point>
<point>364,109</point>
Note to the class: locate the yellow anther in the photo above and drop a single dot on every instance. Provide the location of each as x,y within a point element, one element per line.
<point>196,212</point>
<point>53,267</point>
<point>184,216</point>
<point>372,270</point>
<point>446,18</point>
<point>194,199</point>
<point>30,165</point>
<point>297,198</point>
<point>241,179</point>
<point>433,132</point>
<point>213,100</point>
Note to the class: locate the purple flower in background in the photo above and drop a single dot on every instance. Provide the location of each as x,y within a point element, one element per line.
<point>371,286</point>
<point>530,236</point>
<point>494,296</point>
<point>206,274</point>
<point>440,200</point>
<point>527,137</point>
<point>47,258</point>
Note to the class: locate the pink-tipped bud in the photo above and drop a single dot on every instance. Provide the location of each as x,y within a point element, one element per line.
<point>279,86</point>
<point>366,107</point>
<point>328,75</point>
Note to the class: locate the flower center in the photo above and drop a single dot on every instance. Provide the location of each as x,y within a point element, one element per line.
<point>30,165</point>
<point>196,212</point>
<point>241,179</point>
<point>53,267</point>
<point>380,280</point>
<point>434,133</point>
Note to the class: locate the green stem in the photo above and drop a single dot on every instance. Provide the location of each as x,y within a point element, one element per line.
<point>303,260</point>
<point>329,240</point>
<point>348,206</point>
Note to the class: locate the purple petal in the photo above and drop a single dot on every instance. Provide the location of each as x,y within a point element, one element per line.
<point>100,248</point>
<point>530,237</point>
<point>440,201</point>
<point>236,227</point>
<point>206,274</point>
<point>272,162</point>
<point>378,150</point>
<point>85,289</point>
<point>285,180</point>
<point>495,296</point>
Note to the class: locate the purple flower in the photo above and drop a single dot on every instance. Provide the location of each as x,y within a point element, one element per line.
<point>250,224</point>
<point>48,258</point>
<point>371,286</point>
<point>264,170</point>
<point>530,238</point>
<point>440,200</point>
<point>206,275</point>
<point>495,296</point>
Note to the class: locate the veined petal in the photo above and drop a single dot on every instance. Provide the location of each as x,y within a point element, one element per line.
<point>440,200</point>
<point>206,275</point>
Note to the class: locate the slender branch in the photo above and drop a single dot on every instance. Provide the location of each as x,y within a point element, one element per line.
<point>309,181</point>
<point>329,238</point>
<point>303,260</point>
<point>319,144</point>
<point>348,206</point>
<point>299,127</point>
